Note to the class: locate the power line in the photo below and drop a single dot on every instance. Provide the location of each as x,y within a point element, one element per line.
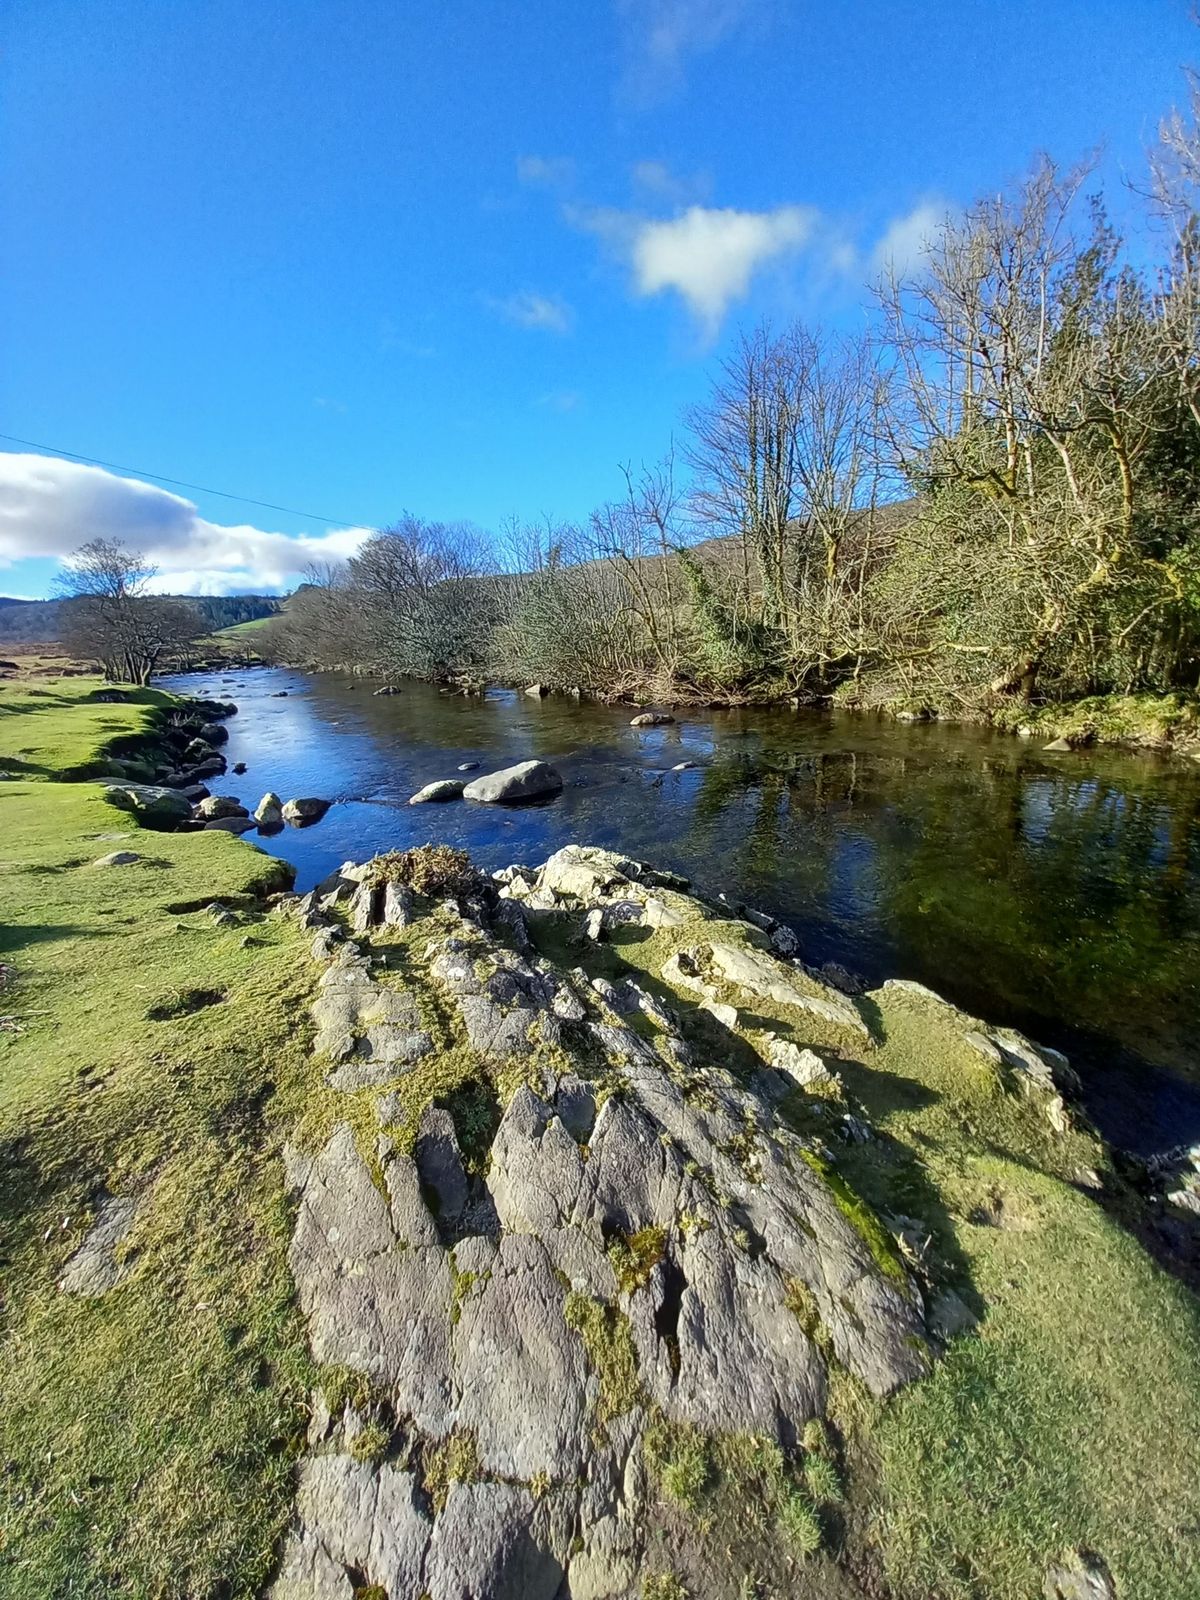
<point>178,483</point>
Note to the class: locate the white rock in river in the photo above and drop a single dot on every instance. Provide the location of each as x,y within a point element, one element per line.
<point>440,789</point>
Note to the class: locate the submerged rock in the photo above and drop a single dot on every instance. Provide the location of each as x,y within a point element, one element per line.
<point>651,719</point>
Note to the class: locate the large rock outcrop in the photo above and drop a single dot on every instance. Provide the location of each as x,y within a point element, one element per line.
<point>645,1240</point>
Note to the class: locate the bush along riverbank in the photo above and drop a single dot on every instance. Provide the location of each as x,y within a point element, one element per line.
<point>556,1233</point>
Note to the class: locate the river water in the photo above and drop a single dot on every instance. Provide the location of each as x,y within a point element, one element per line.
<point>1056,893</point>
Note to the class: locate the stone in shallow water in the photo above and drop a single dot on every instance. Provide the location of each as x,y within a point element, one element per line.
<point>525,781</point>
<point>440,789</point>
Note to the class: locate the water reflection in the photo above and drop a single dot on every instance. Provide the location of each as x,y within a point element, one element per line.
<point>1059,893</point>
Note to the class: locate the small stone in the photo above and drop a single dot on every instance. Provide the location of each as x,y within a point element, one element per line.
<point>726,1015</point>
<point>651,719</point>
<point>950,1315</point>
<point>94,1269</point>
<point>218,806</point>
<point>468,766</point>
<point>118,858</point>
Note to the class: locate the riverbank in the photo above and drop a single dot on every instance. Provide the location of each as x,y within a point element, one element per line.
<point>1163,724</point>
<point>162,1379</point>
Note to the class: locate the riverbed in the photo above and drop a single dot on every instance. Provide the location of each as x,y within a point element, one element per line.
<point>1059,893</point>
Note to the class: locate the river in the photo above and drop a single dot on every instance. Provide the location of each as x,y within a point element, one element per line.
<point>1056,893</point>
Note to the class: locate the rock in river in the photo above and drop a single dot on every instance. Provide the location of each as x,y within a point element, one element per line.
<point>651,719</point>
<point>526,781</point>
<point>220,805</point>
<point>269,810</point>
<point>305,810</point>
<point>440,789</point>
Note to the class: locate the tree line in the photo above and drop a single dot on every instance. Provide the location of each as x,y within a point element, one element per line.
<point>992,494</point>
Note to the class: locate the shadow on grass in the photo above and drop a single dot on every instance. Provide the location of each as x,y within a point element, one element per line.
<point>14,937</point>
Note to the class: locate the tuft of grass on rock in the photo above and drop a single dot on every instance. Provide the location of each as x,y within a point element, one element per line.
<point>800,1524</point>
<point>609,1345</point>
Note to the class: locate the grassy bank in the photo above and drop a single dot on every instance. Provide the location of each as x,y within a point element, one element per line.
<point>146,1437</point>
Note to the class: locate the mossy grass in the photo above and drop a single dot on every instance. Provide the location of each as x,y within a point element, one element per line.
<point>800,1524</point>
<point>1072,1417</point>
<point>608,1341</point>
<point>148,1436</point>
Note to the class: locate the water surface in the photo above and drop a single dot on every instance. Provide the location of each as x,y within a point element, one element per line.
<point>1057,893</point>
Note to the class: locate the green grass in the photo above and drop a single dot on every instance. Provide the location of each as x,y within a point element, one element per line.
<point>242,630</point>
<point>1073,1416</point>
<point>147,1437</point>
<point>54,726</point>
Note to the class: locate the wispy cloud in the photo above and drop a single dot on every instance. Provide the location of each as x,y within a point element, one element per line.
<point>544,313</point>
<point>50,507</point>
<point>655,182</point>
<point>905,242</point>
<point>560,400</point>
<point>324,403</point>
<point>660,37</point>
<point>546,172</point>
<point>712,256</point>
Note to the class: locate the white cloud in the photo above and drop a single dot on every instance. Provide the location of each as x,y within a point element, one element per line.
<point>660,36</point>
<point>49,507</point>
<point>710,255</point>
<point>550,172</point>
<point>539,311</point>
<point>906,241</point>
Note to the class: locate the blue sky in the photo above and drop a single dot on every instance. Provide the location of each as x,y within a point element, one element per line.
<point>466,258</point>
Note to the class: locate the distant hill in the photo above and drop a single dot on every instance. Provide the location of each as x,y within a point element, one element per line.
<point>37,621</point>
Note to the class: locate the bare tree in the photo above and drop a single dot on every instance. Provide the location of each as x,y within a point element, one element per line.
<point>109,616</point>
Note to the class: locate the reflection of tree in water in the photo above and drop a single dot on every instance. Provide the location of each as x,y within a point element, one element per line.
<point>1052,896</point>
<point>1070,898</point>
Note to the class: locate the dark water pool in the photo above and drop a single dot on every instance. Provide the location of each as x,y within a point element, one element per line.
<point>1060,894</point>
